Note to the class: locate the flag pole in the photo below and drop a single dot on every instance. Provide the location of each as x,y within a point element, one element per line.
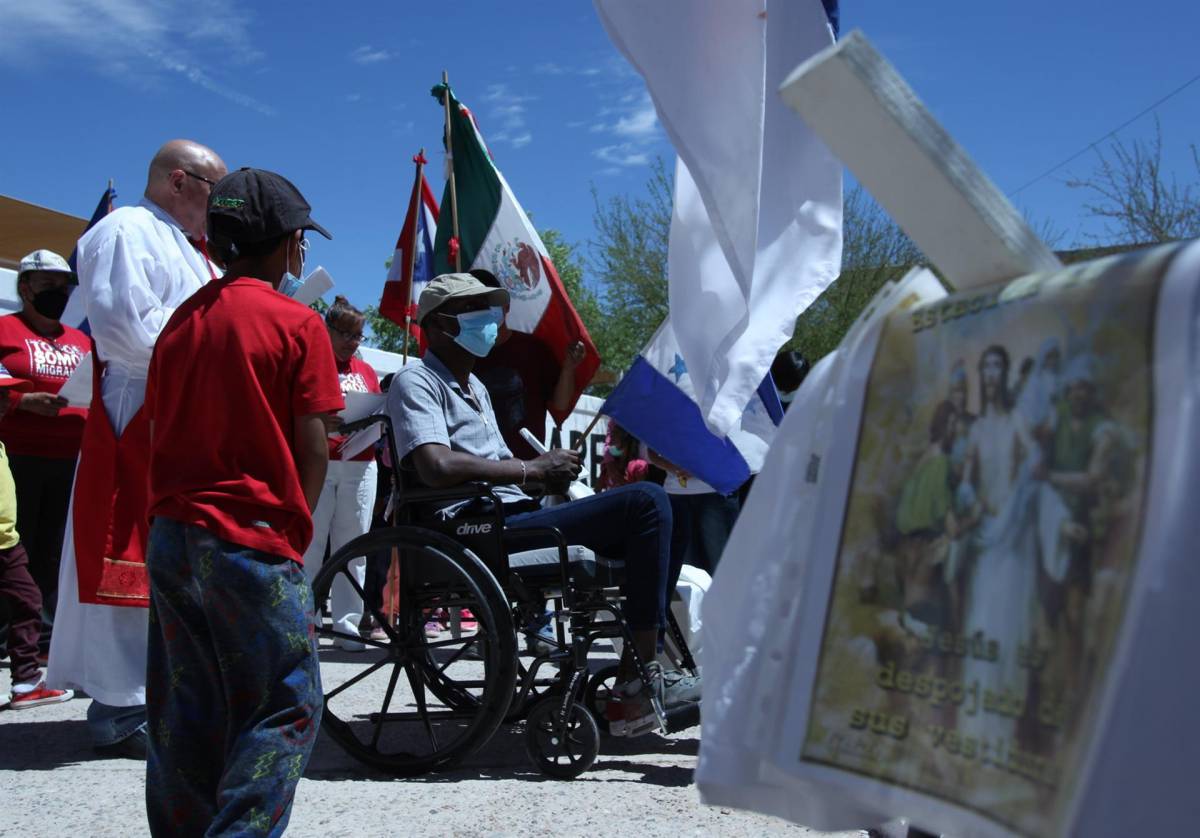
<point>453,191</point>
<point>412,256</point>
<point>579,446</point>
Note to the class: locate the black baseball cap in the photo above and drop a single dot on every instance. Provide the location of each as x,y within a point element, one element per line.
<point>254,205</point>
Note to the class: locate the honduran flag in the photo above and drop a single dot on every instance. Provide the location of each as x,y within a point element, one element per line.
<point>495,234</point>
<point>656,402</point>
<point>412,262</point>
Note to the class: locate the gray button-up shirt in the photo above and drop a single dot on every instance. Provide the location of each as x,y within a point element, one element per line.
<point>427,405</point>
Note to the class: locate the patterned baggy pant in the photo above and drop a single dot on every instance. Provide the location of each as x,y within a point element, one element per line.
<point>233,688</point>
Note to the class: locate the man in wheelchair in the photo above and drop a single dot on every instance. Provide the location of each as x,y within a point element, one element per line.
<point>446,431</point>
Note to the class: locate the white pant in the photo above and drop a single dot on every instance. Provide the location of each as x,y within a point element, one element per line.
<point>343,513</point>
<point>100,649</point>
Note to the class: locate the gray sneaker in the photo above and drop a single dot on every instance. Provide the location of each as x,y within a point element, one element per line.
<point>679,687</point>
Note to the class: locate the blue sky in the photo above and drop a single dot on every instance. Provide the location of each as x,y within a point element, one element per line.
<point>335,96</point>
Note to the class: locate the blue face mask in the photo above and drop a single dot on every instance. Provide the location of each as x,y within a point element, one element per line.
<point>289,285</point>
<point>477,330</point>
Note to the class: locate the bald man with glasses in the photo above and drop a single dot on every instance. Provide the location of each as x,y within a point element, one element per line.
<point>136,266</point>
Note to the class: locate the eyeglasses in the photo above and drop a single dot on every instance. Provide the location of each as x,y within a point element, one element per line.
<point>199,177</point>
<point>350,336</point>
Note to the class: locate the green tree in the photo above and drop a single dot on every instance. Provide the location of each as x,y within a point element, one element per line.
<point>1139,202</point>
<point>570,270</point>
<point>874,250</point>
<point>627,261</point>
<point>384,334</point>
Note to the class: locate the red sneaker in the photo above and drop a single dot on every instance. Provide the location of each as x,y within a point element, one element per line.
<point>469,623</point>
<point>40,694</point>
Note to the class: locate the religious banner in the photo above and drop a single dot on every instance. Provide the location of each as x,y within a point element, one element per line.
<point>989,541</point>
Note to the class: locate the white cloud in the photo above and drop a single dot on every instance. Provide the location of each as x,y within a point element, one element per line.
<point>506,113</point>
<point>633,123</point>
<point>623,155</point>
<point>137,41</point>
<point>353,97</point>
<point>640,121</point>
<point>366,54</point>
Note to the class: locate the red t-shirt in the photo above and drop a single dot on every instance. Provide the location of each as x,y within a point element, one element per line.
<point>235,365</point>
<point>47,363</point>
<point>356,376</point>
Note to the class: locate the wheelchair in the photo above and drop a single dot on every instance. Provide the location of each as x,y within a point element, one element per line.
<point>429,693</point>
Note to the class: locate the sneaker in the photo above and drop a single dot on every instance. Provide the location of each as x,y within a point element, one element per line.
<point>629,711</point>
<point>432,629</point>
<point>545,640</point>
<point>36,695</point>
<point>680,688</point>
<point>468,621</point>
<point>347,645</point>
<point>379,635</point>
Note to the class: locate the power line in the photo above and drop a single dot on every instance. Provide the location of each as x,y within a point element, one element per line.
<point>1111,133</point>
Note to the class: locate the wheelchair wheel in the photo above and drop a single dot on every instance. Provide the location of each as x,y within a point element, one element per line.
<point>378,704</point>
<point>558,749</point>
<point>595,697</point>
<point>462,695</point>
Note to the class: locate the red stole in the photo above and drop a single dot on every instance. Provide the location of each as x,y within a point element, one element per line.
<point>111,495</point>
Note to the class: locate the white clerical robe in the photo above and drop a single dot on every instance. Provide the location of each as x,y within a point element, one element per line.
<point>135,268</point>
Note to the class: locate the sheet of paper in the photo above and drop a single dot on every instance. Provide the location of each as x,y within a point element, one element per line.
<point>316,284</point>
<point>360,441</point>
<point>361,405</point>
<point>78,388</point>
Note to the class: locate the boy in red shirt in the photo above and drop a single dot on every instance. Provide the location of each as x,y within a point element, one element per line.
<point>240,385</point>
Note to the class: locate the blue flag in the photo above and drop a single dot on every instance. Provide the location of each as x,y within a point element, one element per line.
<point>103,208</point>
<point>656,402</point>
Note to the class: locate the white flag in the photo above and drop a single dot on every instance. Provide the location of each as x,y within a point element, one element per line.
<point>756,232</point>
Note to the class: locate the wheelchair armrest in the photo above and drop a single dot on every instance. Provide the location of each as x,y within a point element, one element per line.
<point>532,538</point>
<point>465,491</point>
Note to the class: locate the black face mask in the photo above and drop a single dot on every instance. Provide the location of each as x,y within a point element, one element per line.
<point>51,303</point>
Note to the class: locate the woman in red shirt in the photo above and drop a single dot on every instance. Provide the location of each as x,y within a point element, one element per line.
<point>41,433</point>
<point>348,497</point>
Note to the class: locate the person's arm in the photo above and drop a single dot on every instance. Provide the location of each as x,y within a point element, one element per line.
<point>311,453</point>
<point>125,286</point>
<point>440,468</point>
<point>564,388</point>
<point>1084,482</point>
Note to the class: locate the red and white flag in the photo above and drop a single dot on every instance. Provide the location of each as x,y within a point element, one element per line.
<point>412,263</point>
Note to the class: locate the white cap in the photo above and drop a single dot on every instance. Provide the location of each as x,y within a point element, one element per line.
<point>46,260</point>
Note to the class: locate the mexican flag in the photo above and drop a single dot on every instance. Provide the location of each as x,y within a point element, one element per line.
<point>495,234</point>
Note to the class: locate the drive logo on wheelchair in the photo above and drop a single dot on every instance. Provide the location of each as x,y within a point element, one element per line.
<point>473,529</point>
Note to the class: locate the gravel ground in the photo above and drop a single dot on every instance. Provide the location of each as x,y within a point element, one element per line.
<point>639,786</point>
